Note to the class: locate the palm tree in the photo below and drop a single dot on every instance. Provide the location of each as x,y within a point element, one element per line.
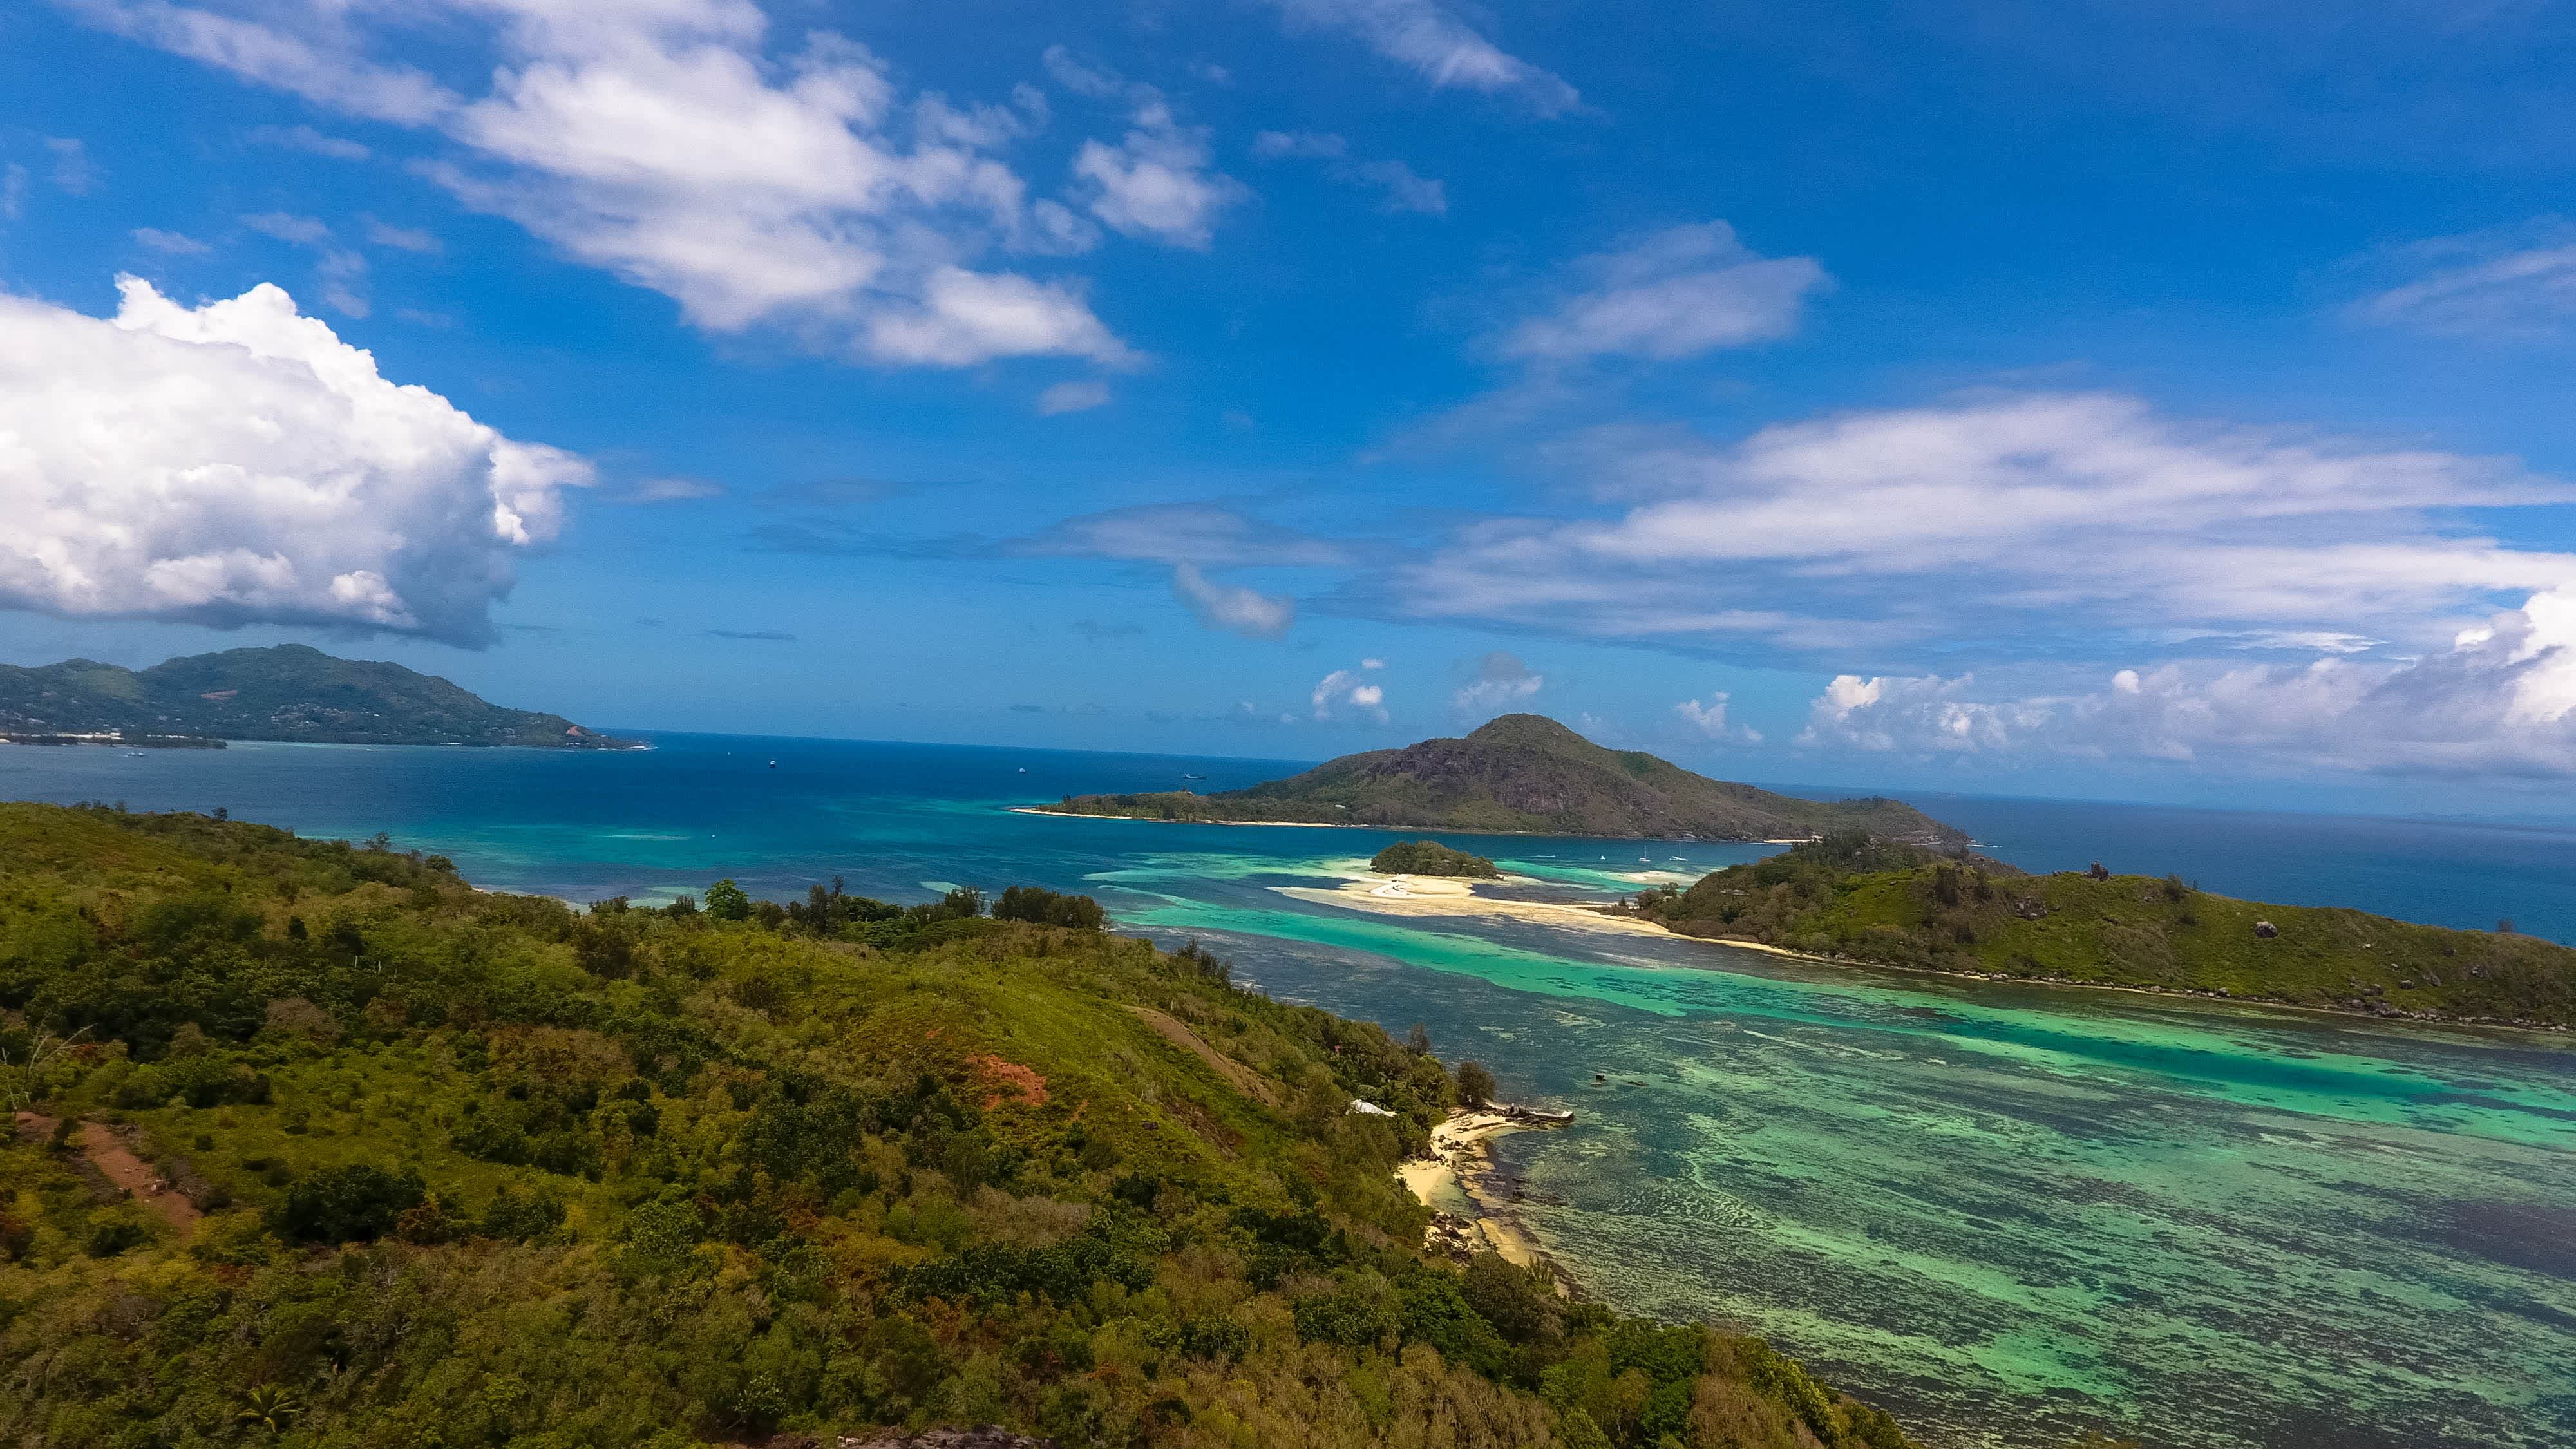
<point>270,1407</point>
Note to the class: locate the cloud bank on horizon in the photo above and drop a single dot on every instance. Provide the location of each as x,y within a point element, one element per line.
<point>1777,421</point>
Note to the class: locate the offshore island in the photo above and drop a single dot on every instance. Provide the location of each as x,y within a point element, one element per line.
<point>1871,881</point>
<point>287,692</point>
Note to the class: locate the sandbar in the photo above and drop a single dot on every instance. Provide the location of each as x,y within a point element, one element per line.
<point>1449,896</point>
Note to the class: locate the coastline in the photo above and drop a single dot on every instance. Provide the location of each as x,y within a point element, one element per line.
<point>1456,1183</point>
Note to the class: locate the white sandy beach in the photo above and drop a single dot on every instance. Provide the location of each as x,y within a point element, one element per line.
<point>1452,1180</point>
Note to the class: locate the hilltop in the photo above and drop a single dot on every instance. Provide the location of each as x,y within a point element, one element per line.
<point>1527,774</point>
<point>451,1166</point>
<point>284,692</point>
<point>1856,899</point>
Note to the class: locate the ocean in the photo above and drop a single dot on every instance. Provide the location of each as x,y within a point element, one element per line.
<point>2010,1214</point>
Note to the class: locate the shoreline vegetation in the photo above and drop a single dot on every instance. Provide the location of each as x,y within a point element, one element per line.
<point>1847,897</point>
<point>1523,774</point>
<point>474,1168</point>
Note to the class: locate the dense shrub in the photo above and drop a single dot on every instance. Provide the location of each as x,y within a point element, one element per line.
<point>348,1204</point>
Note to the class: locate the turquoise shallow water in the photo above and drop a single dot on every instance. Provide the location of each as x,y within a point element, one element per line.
<point>2009,1213</point>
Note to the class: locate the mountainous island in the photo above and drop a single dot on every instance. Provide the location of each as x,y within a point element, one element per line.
<point>1527,774</point>
<point>317,1144</point>
<point>1855,898</point>
<point>284,692</point>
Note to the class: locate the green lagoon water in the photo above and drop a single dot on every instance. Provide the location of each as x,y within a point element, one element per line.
<point>2010,1214</point>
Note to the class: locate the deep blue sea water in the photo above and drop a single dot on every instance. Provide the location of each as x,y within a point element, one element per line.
<point>2009,1213</point>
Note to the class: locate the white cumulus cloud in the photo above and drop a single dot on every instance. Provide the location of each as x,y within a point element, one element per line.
<point>237,463</point>
<point>1156,183</point>
<point>1709,720</point>
<point>1346,690</point>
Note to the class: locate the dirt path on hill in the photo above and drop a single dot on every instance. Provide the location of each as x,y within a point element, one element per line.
<point>1224,1066</point>
<point>117,1163</point>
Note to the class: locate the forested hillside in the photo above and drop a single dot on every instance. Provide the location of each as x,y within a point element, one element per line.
<point>1850,896</point>
<point>284,692</point>
<point>453,1168</point>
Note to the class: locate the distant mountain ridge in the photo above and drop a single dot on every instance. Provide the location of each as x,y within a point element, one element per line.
<point>284,692</point>
<point>1527,774</point>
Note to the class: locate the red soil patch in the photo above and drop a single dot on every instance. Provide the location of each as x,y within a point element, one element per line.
<point>1009,1080</point>
<point>118,1164</point>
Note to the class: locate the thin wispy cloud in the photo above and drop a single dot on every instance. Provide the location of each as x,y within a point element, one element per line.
<point>1232,608</point>
<point>1676,294</point>
<point>1203,534</point>
<point>402,238</point>
<point>74,174</point>
<point>1436,44</point>
<point>309,141</point>
<point>2008,526</point>
<point>1073,397</point>
<point>672,490</point>
<point>169,243</point>
<point>1399,188</point>
<point>339,274</point>
<point>2513,285</point>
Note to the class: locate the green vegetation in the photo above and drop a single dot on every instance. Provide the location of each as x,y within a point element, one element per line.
<point>1430,857</point>
<point>1852,897</point>
<point>482,1169</point>
<point>288,692</point>
<point>1524,773</point>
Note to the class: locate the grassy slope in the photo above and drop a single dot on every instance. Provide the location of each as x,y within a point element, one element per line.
<point>1526,774</point>
<point>289,692</point>
<point>679,1180</point>
<point>2130,931</point>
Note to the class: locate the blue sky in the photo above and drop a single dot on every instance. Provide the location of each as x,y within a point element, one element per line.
<point>2068,398</point>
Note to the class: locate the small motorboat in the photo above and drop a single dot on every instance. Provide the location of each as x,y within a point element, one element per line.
<point>1024,769</point>
<point>1187,776</point>
<point>773,764</point>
